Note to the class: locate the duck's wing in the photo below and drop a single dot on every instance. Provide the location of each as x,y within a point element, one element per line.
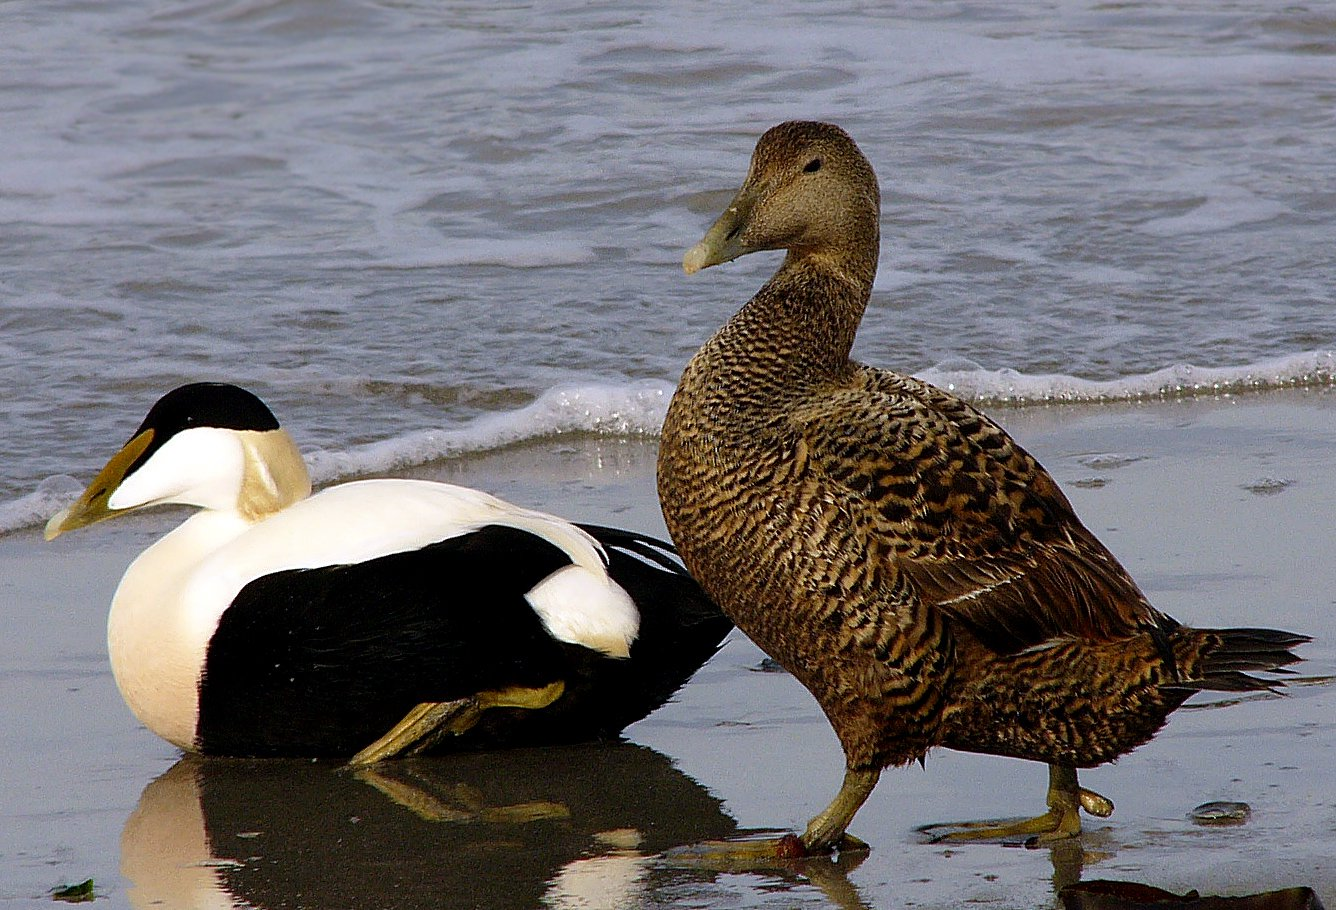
<point>970,517</point>
<point>322,661</point>
<point>680,627</point>
<point>674,610</point>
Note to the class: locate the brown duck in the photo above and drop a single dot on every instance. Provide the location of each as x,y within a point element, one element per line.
<point>890,545</point>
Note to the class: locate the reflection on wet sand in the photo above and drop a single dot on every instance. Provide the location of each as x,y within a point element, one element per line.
<point>567,827</point>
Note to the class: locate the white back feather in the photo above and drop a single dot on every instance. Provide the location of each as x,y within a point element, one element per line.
<point>363,520</point>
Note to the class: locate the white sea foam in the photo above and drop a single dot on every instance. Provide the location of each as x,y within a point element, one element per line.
<point>51,495</point>
<point>633,410</point>
<point>1006,386</point>
<point>637,409</point>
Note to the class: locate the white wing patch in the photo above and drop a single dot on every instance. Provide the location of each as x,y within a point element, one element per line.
<point>584,608</point>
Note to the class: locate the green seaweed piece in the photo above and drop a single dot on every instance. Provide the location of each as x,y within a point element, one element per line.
<point>74,894</point>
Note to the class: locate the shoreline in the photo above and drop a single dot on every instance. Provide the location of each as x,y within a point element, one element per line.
<point>634,410</point>
<point>1221,509</point>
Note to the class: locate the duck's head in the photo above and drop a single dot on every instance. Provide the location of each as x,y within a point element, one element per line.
<point>809,190</point>
<point>208,444</point>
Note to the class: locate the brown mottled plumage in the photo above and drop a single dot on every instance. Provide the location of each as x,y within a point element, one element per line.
<point>889,544</point>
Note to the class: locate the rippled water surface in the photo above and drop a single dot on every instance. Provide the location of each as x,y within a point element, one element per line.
<point>390,218</point>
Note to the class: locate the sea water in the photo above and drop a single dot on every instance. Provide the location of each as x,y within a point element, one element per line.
<point>421,229</point>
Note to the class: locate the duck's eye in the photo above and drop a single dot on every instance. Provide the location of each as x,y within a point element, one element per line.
<point>812,166</point>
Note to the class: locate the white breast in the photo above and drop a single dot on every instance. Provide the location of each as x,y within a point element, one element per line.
<point>155,647</point>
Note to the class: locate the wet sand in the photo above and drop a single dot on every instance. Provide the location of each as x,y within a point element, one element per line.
<point>1223,510</point>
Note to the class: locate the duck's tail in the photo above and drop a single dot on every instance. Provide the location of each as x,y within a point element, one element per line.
<point>1082,703</point>
<point>1223,660</point>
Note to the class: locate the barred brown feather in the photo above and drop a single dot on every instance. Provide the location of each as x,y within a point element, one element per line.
<point>888,543</point>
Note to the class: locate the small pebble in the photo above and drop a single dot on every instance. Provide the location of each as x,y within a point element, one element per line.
<point>1221,812</point>
<point>1108,461</point>
<point>1267,486</point>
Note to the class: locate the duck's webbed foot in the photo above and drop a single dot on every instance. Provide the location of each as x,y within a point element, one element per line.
<point>1066,800</point>
<point>429,722</point>
<point>824,834</point>
<point>755,853</point>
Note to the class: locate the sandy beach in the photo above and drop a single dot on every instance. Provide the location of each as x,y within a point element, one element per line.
<point>1221,508</point>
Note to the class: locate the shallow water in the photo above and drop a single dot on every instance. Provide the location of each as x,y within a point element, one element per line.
<point>1221,509</point>
<point>397,218</point>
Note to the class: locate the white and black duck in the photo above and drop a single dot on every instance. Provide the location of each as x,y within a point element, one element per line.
<point>373,618</point>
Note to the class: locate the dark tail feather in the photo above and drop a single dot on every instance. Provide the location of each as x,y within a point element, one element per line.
<point>1223,659</point>
<point>652,573</point>
<point>651,549</point>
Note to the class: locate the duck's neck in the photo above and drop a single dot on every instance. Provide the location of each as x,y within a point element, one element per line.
<point>274,474</point>
<point>804,319</point>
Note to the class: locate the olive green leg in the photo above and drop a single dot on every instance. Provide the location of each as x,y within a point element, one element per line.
<point>824,833</point>
<point>827,830</point>
<point>1066,799</point>
<point>429,722</point>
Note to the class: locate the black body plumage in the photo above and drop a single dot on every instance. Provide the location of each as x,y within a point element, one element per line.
<point>320,662</point>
